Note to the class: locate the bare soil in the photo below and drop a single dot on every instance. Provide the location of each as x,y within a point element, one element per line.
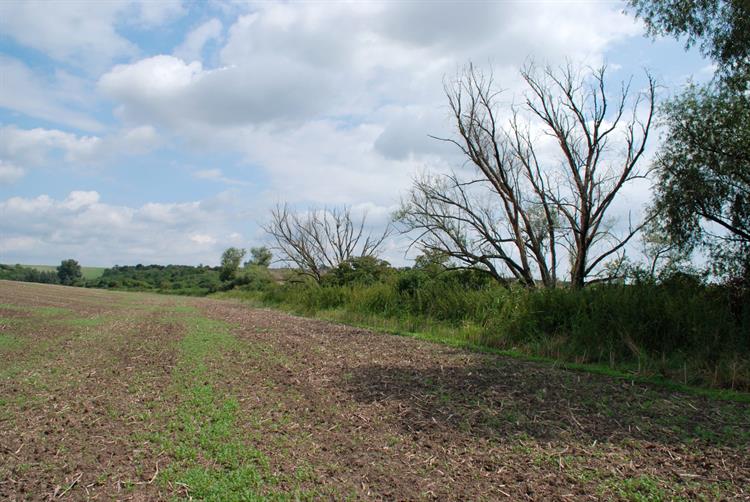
<point>338,411</point>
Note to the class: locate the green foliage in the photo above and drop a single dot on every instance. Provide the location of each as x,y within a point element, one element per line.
<point>69,272</point>
<point>638,489</point>
<point>88,273</point>
<point>253,278</point>
<point>230,263</point>
<point>703,190</point>
<point>720,27</point>
<point>358,270</point>
<point>260,257</point>
<point>28,274</point>
<point>176,279</point>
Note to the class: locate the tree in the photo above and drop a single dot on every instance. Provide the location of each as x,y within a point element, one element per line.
<point>260,256</point>
<point>230,263</point>
<point>703,189</point>
<point>703,166</point>
<point>69,272</point>
<point>320,239</point>
<point>720,27</point>
<point>521,208</point>
<point>360,270</point>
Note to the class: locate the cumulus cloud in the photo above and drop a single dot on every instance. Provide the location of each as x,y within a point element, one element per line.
<point>334,102</point>
<point>46,230</point>
<point>76,31</point>
<point>35,147</point>
<point>77,200</point>
<point>81,32</point>
<point>346,91</point>
<point>167,90</point>
<point>151,13</point>
<point>202,239</point>
<point>9,173</point>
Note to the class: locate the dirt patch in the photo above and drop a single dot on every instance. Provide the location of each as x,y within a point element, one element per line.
<point>74,401</point>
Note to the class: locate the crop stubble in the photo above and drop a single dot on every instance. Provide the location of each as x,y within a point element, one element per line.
<point>337,411</point>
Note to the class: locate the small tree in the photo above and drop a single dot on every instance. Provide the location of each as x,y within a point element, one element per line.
<point>230,263</point>
<point>260,256</point>
<point>69,272</point>
<point>320,239</point>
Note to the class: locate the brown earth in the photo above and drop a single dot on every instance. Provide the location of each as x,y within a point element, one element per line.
<point>338,411</point>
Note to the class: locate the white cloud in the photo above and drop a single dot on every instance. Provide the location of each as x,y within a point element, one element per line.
<point>9,173</point>
<point>202,239</point>
<point>16,244</point>
<point>35,147</point>
<point>77,200</point>
<point>167,90</point>
<point>137,140</point>
<point>46,230</point>
<point>335,102</point>
<point>153,13</point>
<point>79,32</point>
<point>54,99</point>
<point>191,48</point>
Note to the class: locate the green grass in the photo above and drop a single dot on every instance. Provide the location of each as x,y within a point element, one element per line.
<point>212,460</point>
<point>87,272</point>
<point>9,342</point>
<point>41,311</point>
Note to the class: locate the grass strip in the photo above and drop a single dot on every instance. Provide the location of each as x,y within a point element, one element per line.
<point>212,461</point>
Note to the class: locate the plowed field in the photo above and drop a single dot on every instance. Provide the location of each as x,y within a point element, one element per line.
<point>127,396</point>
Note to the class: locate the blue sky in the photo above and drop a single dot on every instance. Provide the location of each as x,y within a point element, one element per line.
<point>164,131</point>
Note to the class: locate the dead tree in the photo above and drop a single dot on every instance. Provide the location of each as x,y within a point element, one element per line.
<point>522,209</point>
<point>320,239</point>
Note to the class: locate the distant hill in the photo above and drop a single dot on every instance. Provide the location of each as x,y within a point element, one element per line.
<point>87,272</point>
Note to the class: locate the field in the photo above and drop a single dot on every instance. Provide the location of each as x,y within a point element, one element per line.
<point>87,272</point>
<point>131,396</point>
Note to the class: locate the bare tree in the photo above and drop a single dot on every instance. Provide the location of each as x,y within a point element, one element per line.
<point>320,239</point>
<point>522,208</point>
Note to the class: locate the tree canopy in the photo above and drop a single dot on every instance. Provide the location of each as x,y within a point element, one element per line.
<point>703,190</point>
<point>721,28</point>
<point>230,263</point>
<point>69,272</point>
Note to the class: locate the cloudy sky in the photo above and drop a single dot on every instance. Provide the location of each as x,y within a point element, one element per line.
<point>163,131</point>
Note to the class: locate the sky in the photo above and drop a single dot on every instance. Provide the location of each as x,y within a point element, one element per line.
<point>164,131</point>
